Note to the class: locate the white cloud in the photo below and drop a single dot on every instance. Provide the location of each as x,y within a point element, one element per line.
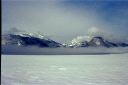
<point>93,30</point>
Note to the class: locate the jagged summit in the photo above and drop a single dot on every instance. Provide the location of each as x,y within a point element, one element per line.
<point>80,41</point>
<point>96,41</point>
<point>28,39</point>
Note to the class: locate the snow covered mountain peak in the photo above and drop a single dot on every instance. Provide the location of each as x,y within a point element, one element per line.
<point>80,41</point>
<point>28,39</point>
<point>26,34</point>
<point>95,41</point>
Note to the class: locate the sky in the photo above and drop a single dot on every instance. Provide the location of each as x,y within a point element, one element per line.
<point>64,20</point>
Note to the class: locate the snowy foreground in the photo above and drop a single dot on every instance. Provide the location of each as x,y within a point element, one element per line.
<point>109,69</point>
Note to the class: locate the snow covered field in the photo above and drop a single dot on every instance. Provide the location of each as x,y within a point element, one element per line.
<point>110,69</point>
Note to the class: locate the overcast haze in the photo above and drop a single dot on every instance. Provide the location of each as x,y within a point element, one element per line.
<point>66,19</point>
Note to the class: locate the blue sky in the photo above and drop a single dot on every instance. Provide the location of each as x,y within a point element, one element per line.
<point>66,19</point>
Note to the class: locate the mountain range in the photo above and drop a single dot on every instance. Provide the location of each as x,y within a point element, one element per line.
<point>97,41</point>
<point>29,39</point>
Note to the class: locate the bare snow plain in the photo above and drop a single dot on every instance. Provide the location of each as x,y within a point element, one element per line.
<point>108,69</point>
